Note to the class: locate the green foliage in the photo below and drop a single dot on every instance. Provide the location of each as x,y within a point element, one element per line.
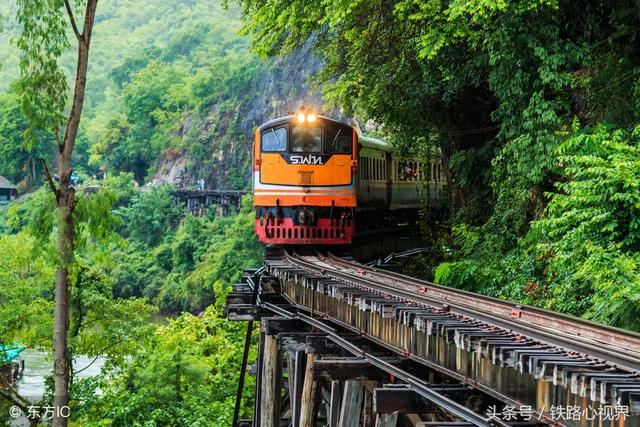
<point>18,158</point>
<point>590,235</point>
<point>169,97</point>
<point>25,281</point>
<point>43,85</point>
<point>500,87</point>
<point>185,374</point>
<point>180,64</point>
<point>466,274</point>
<point>150,215</point>
<point>175,261</point>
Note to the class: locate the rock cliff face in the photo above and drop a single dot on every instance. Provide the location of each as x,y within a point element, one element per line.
<point>217,142</point>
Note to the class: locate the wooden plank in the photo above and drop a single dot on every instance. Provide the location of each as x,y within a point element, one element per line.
<point>348,368</point>
<point>307,403</point>
<point>294,341</point>
<point>367,410</point>
<point>271,376</point>
<point>276,325</point>
<point>351,404</point>
<point>387,420</point>
<point>321,344</point>
<point>399,400</point>
<point>411,420</point>
<point>257,404</point>
<point>239,298</point>
<point>242,288</point>
<point>335,403</point>
<point>245,312</point>
<point>296,383</point>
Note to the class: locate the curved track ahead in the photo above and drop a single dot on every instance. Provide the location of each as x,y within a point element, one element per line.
<point>616,347</point>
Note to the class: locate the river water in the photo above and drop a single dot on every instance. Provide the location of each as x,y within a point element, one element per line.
<point>37,366</point>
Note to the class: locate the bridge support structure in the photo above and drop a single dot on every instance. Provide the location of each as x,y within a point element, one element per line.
<point>346,345</point>
<point>311,374</point>
<point>198,202</point>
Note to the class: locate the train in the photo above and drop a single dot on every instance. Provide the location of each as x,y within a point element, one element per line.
<point>316,181</point>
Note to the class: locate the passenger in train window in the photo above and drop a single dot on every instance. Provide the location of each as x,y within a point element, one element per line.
<point>408,172</point>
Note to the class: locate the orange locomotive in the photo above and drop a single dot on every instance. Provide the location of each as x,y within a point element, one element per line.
<point>312,175</point>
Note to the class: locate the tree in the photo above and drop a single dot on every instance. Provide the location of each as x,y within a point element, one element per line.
<point>43,89</point>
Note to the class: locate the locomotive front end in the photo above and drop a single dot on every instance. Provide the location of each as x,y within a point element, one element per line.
<point>304,180</point>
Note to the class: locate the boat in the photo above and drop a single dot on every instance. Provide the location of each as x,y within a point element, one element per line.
<point>10,367</point>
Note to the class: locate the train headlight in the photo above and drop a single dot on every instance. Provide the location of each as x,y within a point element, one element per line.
<point>300,117</point>
<point>311,118</point>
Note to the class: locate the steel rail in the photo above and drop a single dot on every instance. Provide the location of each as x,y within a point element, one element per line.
<point>416,384</point>
<point>487,309</point>
<point>579,327</point>
<point>614,344</point>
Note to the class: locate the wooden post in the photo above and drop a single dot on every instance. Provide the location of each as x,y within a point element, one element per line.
<point>387,420</point>
<point>351,404</point>
<point>271,375</point>
<point>334,406</point>
<point>308,398</point>
<point>296,364</point>
<point>367,408</point>
<point>257,404</point>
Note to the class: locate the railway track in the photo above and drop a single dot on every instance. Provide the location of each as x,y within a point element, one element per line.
<point>519,355</point>
<point>593,364</point>
<point>617,347</point>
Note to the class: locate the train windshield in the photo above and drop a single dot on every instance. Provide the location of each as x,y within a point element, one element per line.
<point>337,140</point>
<point>318,138</point>
<point>306,139</point>
<point>274,140</point>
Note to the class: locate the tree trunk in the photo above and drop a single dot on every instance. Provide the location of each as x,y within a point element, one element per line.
<point>65,205</point>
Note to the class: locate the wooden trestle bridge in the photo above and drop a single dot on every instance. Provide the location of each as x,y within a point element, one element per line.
<point>345,345</point>
<point>198,202</point>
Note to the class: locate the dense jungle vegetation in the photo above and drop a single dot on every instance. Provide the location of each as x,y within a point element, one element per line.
<point>158,72</point>
<point>534,105</point>
<point>142,257</point>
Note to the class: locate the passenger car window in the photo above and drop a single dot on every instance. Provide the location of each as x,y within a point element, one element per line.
<point>306,139</point>
<point>274,140</point>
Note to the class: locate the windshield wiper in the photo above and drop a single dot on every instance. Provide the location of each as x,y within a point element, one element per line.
<point>276,135</point>
<point>334,139</point>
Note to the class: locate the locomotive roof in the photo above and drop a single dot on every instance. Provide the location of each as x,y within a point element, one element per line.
<point>366,141</point>
<point>287,119</point>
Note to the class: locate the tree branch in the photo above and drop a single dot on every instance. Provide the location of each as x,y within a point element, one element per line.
<point>100,354</point>
<point>47,175</point>
<point>73,22</point>
<point>88,322</point>
<point>56,133</point>
<point>8,392</point>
